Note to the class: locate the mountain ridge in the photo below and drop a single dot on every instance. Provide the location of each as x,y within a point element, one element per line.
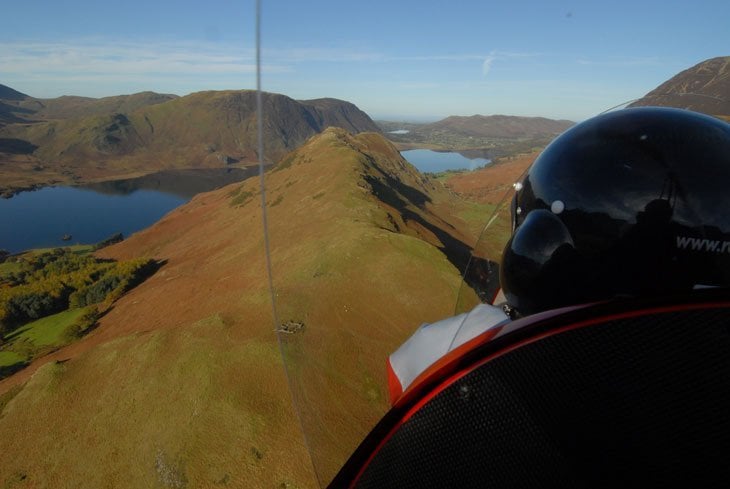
<point>501,126</point>
<point>71,106</point>
<point>35,109</point>
<point>7,93</point>
<point>704,87</point>
<point>209,129</point>
<point>203,385</point>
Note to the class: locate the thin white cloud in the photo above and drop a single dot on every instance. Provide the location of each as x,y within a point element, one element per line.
<point>108,57</point>
<point>494,55</point>
<point>123,58</point>
<point>487,64</point>
<point>354,54</point>
<point>95,61</point>
<point>100,66</point>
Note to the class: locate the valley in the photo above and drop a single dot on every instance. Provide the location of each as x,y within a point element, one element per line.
<point>476,136</point>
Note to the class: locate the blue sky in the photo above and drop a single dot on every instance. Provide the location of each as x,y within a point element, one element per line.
<point>408,60</point>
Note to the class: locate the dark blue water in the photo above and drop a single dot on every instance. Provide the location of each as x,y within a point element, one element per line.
<point>428,161</point>
<point>40,218</point>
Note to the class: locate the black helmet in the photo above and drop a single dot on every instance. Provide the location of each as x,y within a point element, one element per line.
<point>628,203</point>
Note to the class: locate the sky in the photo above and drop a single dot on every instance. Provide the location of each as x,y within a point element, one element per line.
<point>409,60</point>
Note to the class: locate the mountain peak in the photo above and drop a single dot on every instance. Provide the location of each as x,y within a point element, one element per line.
<point>705,87</point>
<point>7,93</point>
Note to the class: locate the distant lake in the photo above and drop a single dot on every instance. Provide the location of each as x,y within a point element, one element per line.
<point>428,161</point>
<point>92,213</point>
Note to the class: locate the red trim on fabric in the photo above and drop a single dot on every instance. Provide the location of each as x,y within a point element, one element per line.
<point>478,341</point>
<point>496,294</point>
<point>449,357</point>
<point>395,389</point>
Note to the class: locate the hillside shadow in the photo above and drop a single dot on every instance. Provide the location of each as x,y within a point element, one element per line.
<point>394,186</point>
<point>455,250</point>
<point>7,93</point>
<point>9,113</point>
<point>16,146</point>
<point>16,332</point>
<point>8,370</point>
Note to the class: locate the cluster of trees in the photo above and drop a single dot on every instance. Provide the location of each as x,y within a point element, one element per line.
<point>54,281</point>
<point>25,303</point>
<point>116,238</point>
<point>118,279</point>
<point>83,324</point>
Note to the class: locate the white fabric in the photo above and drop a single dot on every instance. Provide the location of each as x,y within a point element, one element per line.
<point>432,341</point>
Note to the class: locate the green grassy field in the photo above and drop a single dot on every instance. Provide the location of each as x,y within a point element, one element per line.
<point>476,215</point>
<point>36,338</point>
<point>41,282</point>
<point>443,176</point>
<point>78,249</point>
<point>47,331</point>
<point>26,342</point>
<point>8,358</point>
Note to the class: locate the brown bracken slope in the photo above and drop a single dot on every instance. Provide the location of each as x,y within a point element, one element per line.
<point>489,185</point>
<point>704,87</point>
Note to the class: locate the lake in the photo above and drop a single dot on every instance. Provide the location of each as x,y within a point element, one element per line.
<point>428,161</point>
<point>94,212</point>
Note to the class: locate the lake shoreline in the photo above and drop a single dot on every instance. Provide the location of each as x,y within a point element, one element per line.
<point>41,217</point>
<point>24,184</point>
<point>436,161</point>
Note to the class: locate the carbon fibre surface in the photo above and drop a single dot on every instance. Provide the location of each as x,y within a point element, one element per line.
<point>643,401</point>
